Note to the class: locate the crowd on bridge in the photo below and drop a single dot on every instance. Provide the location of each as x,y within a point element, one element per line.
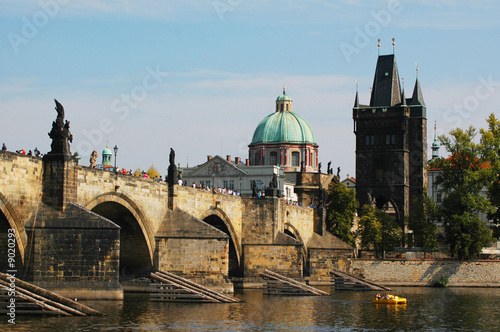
<point>218,190</point>
<point>34,153</point>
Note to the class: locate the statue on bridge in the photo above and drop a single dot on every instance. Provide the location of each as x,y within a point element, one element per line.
<point>93,159</point>
<point>60,134</point>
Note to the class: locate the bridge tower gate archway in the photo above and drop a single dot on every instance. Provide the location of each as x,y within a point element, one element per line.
<point>135,253</point>
<point>216,220</point>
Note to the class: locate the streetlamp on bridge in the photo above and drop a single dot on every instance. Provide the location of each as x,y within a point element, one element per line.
<point>116,151</point>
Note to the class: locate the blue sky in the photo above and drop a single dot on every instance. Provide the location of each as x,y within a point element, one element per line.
<point>199,76</point>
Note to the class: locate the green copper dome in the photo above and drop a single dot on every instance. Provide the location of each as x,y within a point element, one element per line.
<point>283,96</point>
<point>283,127</point>
<point>107,151</point>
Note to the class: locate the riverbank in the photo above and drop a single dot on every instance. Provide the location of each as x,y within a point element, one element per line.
<point>418,272</point>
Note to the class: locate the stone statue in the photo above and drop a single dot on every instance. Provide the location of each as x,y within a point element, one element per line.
<point>329,168</point>
<point>302,166</point>
<point>371,200</point>
<point>322,197</point>
<point>93,159</point>
<point>254,189</point>
<point>274,182</point>
<point>338,171</point>
<point>172,157</point>
<point>60,134</point>
<point>319,168</point>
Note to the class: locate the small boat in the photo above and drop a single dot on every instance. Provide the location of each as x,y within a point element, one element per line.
<point>391,300</point>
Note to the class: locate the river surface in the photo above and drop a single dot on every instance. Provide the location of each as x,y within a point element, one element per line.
<point>428,309</point>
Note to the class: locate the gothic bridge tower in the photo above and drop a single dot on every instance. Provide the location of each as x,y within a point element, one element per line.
<point>391,144</point>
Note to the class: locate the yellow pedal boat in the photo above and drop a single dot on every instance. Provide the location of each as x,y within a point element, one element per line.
<point>391,300</point>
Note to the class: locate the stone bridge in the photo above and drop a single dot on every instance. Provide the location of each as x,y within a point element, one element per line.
<point>70,219</point>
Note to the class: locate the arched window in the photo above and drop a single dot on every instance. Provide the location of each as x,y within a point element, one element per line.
<point>295,158</point>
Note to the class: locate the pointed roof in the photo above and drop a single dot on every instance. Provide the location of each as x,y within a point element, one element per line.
<point>356,100</point>
<point>417,98</point>
<point>403,99</point>
<point>386,90</point>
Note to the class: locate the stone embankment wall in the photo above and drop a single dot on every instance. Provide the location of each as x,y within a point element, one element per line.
<point>428,272</point>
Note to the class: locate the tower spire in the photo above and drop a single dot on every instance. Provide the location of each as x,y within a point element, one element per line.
<point>435,144</point>
<point>356,99</point>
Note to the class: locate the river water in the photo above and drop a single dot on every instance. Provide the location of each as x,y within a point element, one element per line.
<point>428,309</point>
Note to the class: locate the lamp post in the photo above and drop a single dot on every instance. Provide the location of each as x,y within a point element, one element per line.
<point>116,151</point>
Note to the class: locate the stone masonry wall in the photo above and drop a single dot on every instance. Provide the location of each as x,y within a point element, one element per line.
<point>322,261</point>
<point>427,272</point>
<point>189,257</point>
<point>150,196</point>
<point>21,182</point>
<point>196,202</point>
<point>300,218</point>
<point>260,226</point>
<point>285,260</point>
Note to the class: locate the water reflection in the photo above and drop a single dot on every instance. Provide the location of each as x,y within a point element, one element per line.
<point>428,309</point>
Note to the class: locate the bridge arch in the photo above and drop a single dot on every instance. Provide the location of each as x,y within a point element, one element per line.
<point>13,221</point>
<point>218,219</point>
<point>134,229</point>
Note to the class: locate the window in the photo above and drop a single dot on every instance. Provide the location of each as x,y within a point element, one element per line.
<point>438,197</point>
<point>258,184</point>
<point>273,158</point>
<point>295,159</point>
<point>390,139</point>
<point>228,184</point>
<point>370,140</point>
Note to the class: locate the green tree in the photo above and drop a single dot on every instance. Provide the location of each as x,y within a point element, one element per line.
<point>378,230</point>
<point>420,221</point>
<point>341,206</point>
<point>153,172</point>
<point>465,173</point>
<point>137,173</point>
<point>490,142</point>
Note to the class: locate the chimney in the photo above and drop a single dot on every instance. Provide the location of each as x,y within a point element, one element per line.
<point>247,162</point>
<point>209,157</point>
<point>237,160</point>
<point>228,158</point>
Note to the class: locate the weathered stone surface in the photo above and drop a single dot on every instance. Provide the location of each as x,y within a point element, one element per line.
<point>428,272</point>
<point>74,247</point>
